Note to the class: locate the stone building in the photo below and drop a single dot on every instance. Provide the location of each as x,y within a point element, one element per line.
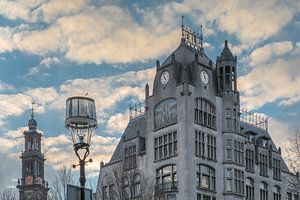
<point>193,141</point>
<point>32,185</point>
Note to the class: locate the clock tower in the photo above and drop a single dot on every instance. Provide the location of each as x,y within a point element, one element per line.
<point>32,185</point>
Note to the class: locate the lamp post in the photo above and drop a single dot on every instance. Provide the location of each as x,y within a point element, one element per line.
<point>81,121</point>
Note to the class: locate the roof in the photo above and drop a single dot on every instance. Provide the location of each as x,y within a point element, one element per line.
<point>226,54</point>
<point>135,128</point>
<point>263,133</point>
<point>186,54</point>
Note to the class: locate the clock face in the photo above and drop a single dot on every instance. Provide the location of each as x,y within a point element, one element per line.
<point>164,77</point>
<point>204,77</point>
<point>28,180</point>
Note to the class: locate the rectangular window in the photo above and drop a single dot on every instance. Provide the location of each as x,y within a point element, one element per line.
<point>276,169</point>
<point>165,146</point>
<point>289,196</point>
<point>228,149</point>
<point>130,157</point>
<point>263,164</point>
<point>228,180</point>
<point>211,147</point>
<point>200,143</point>
<point>238,152</point>
<point>238,181</point>
<point>250,160</point>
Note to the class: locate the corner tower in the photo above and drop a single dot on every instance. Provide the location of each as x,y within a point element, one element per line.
<point>227,88</point>
<point>32,184</point>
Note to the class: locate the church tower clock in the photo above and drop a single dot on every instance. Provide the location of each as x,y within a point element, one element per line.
<point>32,185</point>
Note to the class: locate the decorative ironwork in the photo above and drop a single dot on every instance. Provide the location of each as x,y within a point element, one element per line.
<point>166,187</point>
<point>192,38</point>
<point>254,119</point>
<point>137,109</point>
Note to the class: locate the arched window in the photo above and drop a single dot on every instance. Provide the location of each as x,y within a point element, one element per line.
<point>206,177</point>
<point>166,179</point>
<point>276,193</point>
<point>205,113</point>
<point>137,185</point>
<point>165,113</point>
<point>263,191</point>
<point>126,189</point>
<point>249,189</point>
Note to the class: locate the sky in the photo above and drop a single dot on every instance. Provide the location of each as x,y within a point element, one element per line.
<point>52,49</point>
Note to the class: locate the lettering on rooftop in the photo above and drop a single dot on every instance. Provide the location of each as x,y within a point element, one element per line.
<point>192,38</point>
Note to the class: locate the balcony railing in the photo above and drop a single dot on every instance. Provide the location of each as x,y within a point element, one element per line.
<point>166,187</point>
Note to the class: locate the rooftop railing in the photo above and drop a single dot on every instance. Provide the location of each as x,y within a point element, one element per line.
<point>255,119</point>
<point>136,109</point>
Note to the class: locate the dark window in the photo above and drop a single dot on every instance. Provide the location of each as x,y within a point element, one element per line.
<point>249,189</point>
<point>238,152</point>
<point>206,177</point>
<point>234,181</point>
<point>263,193</point>
<point>130,157</point>
<point>276,169</point>
<point>205,197</point>
<point>200,143</point>
<point>166,179</point>
<point>165,146</point>
<point>211,147</point>
<point>137,186</point>
<point>263,164</point>
<point>276,193</point>
<point>205,113</point>
<point>249,160</point>
<point>289,196</point>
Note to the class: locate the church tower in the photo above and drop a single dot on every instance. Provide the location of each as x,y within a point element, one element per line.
<point>32,184</point>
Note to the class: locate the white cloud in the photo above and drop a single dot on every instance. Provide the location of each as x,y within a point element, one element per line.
<point>119,39</point>
<point>44,63</point>
<point>279,132</point>
<point>19,9</point>
<point>249,21</point>
<point>15,133</point>
<point>51,10</point>
<point>274,81</point>
<point>117,122</point>
<point>269,52</point>
<point>5,86</point>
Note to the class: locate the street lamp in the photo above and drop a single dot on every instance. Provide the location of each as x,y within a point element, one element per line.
<point>81,121</point>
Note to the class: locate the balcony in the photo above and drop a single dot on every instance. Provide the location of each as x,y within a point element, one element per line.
<point>166,187</point>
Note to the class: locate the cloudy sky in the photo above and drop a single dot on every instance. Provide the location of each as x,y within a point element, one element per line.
<point>53,49</point>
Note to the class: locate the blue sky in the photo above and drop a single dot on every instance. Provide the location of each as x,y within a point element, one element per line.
<point>52,49</point>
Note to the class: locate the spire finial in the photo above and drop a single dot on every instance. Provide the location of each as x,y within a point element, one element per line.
<point>201,36</point>
<point>182,21</point>
<point>32,109</point>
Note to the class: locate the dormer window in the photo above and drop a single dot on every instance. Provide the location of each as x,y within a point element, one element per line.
<point>264,143</point>
<point>250,137</point>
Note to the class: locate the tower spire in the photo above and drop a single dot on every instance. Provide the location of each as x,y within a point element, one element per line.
<point>32,109</point>
<point>201,36</point>
<point>32,124</point>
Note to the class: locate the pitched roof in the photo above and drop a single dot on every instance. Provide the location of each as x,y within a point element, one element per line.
<point>135,128</point>
<point>263,133</point>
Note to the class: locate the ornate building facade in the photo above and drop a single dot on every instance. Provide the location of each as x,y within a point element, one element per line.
<point>32,185</point>
<point>194,142</point>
